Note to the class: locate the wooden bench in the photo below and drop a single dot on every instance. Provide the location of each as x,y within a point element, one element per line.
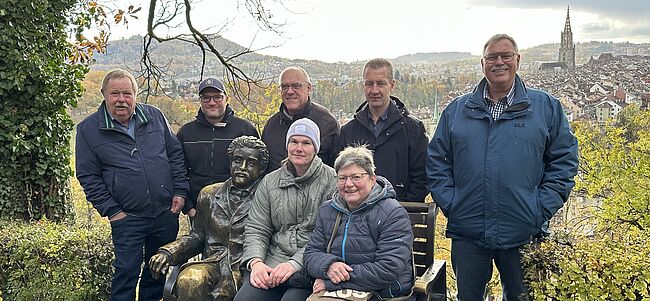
<point>430,283</point>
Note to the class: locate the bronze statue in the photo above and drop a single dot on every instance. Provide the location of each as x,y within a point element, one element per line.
<point>217,233</point>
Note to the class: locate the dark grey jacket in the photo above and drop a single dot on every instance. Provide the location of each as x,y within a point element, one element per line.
<point>375,239</point>
<point>275,132</point>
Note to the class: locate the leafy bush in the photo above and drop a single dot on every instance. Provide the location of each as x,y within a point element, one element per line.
<point>54,261</point>
<point>604,251</point>
<point>589,269</point>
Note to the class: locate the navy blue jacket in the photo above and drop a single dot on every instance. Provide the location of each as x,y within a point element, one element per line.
<point>497,181</point>
<point>375,239</point>
<point>400,150</point>
<point>139,176</point>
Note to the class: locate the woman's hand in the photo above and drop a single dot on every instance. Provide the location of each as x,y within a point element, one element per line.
<point>260,275</point>
<point>319,285</point>
<point>339,272</point>
<point>281,273</point>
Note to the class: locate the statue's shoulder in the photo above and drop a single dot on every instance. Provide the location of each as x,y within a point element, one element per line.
<point>208,193</point>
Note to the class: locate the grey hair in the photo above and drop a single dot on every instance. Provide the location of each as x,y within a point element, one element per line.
<point>120,73</point>
<point>253,143</point>
<point>356,155</point>
<point>294,68</point>
<point>379,63</point>
<point>498,37</point>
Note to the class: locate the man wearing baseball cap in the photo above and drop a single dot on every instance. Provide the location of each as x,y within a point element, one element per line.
<point>206,139</point>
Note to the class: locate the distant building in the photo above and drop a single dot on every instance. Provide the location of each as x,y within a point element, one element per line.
<point>606,110</point>
<point>567,54</point>
<point>603,59</point>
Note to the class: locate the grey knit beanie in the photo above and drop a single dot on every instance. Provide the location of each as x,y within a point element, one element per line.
<point>307,128</point>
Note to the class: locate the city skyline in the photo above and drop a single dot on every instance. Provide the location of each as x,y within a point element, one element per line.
<point>348,31</point>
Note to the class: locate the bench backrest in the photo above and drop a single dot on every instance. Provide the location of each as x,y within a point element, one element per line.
<point>423,223</point>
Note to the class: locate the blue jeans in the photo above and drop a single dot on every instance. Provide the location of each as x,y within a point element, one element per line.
<point>473,268</point>
<point>136,239</point>
<point>283,292</point>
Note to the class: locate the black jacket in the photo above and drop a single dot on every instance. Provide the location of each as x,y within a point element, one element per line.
<point>205,146</point>
<point>400,150</point>
<point>275,132</point>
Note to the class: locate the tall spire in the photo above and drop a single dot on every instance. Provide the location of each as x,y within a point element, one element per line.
<point>567,24</point>
<point>567,53</point>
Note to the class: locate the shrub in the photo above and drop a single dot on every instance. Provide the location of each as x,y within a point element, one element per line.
<point>589,269</point>
<point>54,261</point>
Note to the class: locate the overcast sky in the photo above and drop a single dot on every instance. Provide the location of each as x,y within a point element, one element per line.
<point>349,30</point>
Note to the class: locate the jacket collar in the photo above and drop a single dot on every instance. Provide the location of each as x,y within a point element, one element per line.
<point>382,190</point>
<point>302,113</point>
<point>396,110</point>
<point>286,175</point>
<point>227,117</point>
<point>520,102</point>
<point>106,121</point>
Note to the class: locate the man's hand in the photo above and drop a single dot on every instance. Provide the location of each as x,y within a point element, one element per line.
<point>319,285</point>
<point>260,276</point>
<point>339,272</point>
<point>120,215</point>
<point>177,204</point>
<point>158,264</point>
<point>281,273</point>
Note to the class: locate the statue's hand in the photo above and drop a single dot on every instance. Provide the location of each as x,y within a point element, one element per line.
<point>159,263</point>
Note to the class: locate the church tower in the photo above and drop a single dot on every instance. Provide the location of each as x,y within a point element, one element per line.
<point>567,48</point>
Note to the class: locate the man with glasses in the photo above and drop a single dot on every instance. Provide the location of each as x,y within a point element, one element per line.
<point>500,164</point>
<point>295,88</point>
<point>398,140</point>
<point>205,140</point>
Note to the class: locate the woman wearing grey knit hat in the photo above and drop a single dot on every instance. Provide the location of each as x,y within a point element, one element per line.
<point>281,218</point>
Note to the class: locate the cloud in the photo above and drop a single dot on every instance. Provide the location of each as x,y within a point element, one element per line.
<point>620,9</point>
<point>617,31</point>
<point>616,20</point>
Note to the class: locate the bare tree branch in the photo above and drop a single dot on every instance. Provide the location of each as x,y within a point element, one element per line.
<point>163,14</point>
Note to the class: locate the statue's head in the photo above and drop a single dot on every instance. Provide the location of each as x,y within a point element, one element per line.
<point>249,159</point>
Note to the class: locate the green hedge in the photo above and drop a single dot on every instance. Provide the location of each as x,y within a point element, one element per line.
<point>588,269</point>
<point>54,261</point>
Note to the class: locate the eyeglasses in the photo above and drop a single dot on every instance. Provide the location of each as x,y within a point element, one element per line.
<point>505,56</point>
<point>208,98</point>
<point>295,86</point>
<point>356,178</point>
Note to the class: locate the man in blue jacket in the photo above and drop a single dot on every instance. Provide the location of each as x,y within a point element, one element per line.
<point>130,165</point>
<point>500,164</point>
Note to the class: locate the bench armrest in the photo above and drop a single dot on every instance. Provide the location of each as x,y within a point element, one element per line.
<point>433,280</point>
